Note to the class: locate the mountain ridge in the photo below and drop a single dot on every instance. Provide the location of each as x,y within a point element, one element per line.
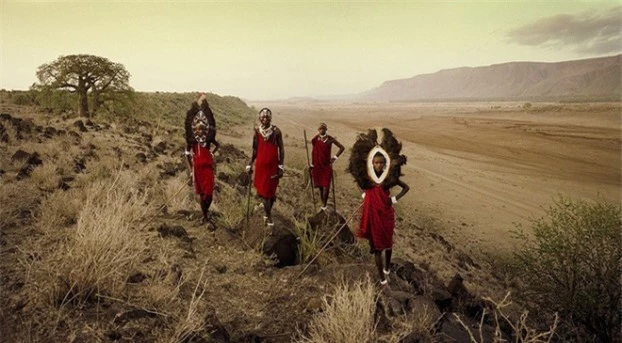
<point>596,78</point>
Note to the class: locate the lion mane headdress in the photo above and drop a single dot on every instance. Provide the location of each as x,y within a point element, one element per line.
<point>362,155</point>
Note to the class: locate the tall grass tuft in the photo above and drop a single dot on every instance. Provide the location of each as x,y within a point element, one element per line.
<point>107,243</point>
<point>348,315</point>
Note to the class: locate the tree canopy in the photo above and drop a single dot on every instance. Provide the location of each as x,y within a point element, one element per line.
<point>85,75</point>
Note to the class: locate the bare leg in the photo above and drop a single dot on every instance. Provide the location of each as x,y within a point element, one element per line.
<point>378,260</point>
<point>268,204</point>
<point>387,256</point>
<point>324,191</point>
<point>206,202</point>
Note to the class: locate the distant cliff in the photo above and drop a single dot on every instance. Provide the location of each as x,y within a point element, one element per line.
<point>595,78</point>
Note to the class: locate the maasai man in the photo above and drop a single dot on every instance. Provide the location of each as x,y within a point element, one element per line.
<point>268,157</point>
<point>321,161</point>
<point>377,168</point>
<point>200,135</point>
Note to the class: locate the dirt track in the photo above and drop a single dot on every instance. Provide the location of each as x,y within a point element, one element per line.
<point>479,168</point>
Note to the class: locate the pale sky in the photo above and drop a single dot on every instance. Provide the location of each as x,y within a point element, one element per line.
<point>276,50</point>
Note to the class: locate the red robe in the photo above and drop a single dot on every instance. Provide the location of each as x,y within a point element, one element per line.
<point>266,166</point>
<point>378,219</point>
<point>322,170</point>
<point>203,171</point>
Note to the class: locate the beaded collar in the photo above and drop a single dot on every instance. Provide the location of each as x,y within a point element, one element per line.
<point>266,133</point>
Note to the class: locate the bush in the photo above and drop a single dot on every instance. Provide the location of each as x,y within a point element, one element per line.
<point>571,265</point>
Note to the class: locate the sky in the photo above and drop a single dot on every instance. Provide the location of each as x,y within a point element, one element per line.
<point>276,50</point>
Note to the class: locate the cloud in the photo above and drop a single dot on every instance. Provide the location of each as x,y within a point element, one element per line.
<point>586,33</point>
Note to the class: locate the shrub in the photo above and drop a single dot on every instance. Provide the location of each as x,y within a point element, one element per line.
<point>571,265</point>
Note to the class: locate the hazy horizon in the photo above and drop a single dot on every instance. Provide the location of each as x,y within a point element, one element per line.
<point>265,51</point>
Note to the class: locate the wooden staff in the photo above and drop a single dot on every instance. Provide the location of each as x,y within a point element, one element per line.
<point>309,165</point>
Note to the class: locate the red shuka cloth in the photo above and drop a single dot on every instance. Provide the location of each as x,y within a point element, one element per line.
<point>203,171</point>
<point>266,166</point>
<point>322,171</point>
<point>378,220</point>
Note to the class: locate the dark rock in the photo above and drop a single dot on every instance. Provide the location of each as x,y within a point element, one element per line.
<point>80,126</point>
<point>147,138</point>
<point>221,269</point>
<point>216,330</point>
<point>50,132</point>
<point>113,335</point>
<point>415,337</point>
<point>141,157</point>
<point>88,122</point>
<point>224,177</point>
<point>328,221</point>
<point>457,289</point>
<point>175,231</point>
<point>442,298</point>
<point>136,277</point>
<point>20,155</point>
<point>284,246</point>
<point>5,116</point>
<point>160,148</point>
<point>79,165</point>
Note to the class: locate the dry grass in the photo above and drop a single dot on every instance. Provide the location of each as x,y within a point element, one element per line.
<point>230,204</point>
<point>18,201</point>
<point>348,315</point>
<point>106,245</point>
<point>193,320</point>
<point>60,209</point>
<point>45,177</point>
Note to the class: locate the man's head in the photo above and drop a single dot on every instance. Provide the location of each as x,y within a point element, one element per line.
<point>265,117</point>
<point>379,163</point>
<point>322,129</point>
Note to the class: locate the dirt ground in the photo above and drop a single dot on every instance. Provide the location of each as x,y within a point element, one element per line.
<point>476,170</point>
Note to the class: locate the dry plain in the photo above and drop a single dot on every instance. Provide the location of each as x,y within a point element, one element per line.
<point>477,170</point>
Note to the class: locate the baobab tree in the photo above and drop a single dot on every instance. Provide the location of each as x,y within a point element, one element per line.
<point>85,75</point>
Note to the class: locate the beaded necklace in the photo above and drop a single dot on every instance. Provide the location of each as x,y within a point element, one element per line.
<point>266,133</point>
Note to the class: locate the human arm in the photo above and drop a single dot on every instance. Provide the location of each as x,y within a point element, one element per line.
<point>405,189</point>
<point>339,152</point>
<point>279,143</point>
<point>216,146</point>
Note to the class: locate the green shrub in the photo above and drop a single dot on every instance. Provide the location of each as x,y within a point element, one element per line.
<point>571,265</point>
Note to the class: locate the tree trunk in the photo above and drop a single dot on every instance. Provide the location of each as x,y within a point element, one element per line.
<point>83,109</point>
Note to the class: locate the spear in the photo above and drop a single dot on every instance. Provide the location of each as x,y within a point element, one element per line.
<point>309,165</point>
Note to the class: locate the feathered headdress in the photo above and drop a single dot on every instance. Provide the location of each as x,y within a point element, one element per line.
<point>363,152</point>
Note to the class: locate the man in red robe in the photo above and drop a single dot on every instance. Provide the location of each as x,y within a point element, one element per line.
<point>268,157</point>
<point>200,135</point>
<point>378,219</point>
<point>322,160</point>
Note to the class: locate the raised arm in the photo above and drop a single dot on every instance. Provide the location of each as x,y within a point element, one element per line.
<point>339,152</point>
<point>216,146</point>
<point>405,189</point>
